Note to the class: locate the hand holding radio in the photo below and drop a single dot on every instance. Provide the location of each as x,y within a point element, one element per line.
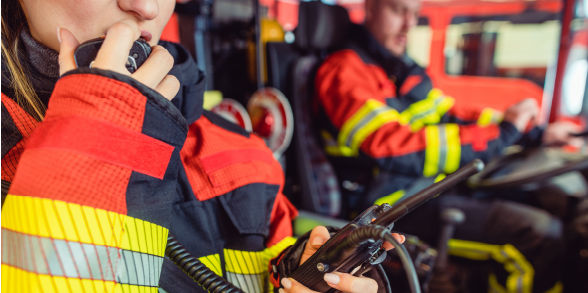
<point>121,51</point>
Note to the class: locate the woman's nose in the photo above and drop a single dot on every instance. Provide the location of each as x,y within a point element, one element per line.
<point>144,9</point>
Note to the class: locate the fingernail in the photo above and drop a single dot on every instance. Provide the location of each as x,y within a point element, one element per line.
<point>332,278</point>
<point>317,241</point>
<point>59,34</point>
<point>286,283</point>
<point>281,290</point>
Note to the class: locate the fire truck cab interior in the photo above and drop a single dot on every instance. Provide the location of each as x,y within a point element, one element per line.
<point>471,68</point>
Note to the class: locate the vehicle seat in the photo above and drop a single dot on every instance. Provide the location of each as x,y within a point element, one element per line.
<point>291,69</point>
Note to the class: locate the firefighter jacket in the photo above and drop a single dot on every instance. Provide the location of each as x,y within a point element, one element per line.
<point>95,188</point>
<point>382,111</point>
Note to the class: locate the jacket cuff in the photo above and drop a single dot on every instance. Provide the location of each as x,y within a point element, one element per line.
<point>509,134</point>
<point>533,138</point>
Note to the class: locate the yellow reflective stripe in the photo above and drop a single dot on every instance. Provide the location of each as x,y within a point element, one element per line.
<point>213,263</point>
<point>349,125</point>
<point>432,151</point>
<point>443,149</point>
<point>557,288</point>
<point>489,116</point>
<point>364,122</point>
<point>427,111</point>
<point>73,222</point>
<point>520,278</point>
<point>31,282</point>
<point>390,199</point>
<point>372,125</point>
<point>244,262</point>
<point>494,285</point>
<point>453,153</point>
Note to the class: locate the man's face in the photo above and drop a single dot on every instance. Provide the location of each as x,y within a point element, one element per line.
<point>390,20</point>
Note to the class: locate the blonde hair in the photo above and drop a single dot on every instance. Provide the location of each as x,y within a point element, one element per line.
<point>12,24</point>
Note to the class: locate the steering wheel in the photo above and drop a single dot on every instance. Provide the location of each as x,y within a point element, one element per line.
<point>527,166</point>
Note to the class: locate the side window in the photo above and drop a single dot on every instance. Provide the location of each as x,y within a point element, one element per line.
<point>419,42</point>
<point>523,45</point>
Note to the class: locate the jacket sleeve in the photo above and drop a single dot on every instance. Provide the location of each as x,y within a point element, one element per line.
<point>420,103</point>
<point>402,138</point>
<point>87,206</point>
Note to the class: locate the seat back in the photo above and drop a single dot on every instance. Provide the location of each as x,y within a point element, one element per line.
<point>291,69</point>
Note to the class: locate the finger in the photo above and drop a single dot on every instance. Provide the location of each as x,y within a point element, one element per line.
<point>168,87</point>
<point>292,286</point>
<point>117,45</point>
<point>351,284</point>
<point>155,68</point>
<point>67,45</point>
<point>399,237</point>
<point>318,237</point>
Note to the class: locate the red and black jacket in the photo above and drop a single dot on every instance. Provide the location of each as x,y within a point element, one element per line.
<point>95,188</point>
<point>383,110</point>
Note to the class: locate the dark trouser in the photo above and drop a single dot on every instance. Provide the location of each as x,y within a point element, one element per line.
<point>496,224</point>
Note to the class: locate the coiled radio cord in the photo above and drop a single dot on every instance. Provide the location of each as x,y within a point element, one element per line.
<point>196,270</point>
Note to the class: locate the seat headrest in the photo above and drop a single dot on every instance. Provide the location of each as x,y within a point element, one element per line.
<point>321,26</point>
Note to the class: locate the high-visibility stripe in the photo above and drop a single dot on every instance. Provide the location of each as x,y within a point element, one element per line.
<point>520,278</point>
<point>332,148</point>
<point>62,258</point>
<point>248,282</point>
<point>489,116</point>
<point>390,199</point>
<point>557,288</point>
<point>453,147</point>
<point>427,111</point>
<point>432,151</point>
<point>213,263</point>
<point>364,122</point>
<point>494,286</point>
<point>443,150</point>
<point>72,222</point>
<point>31,282</point>
<point>249,269</point>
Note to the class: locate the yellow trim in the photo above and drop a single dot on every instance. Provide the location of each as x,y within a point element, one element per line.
<point>253,262</point>
<point>489,116</point>
<point>557,288</point>
<point>432,151</point>
<point>373,125</point>
<point>390,199</point>
<point>213,263</point>
<point>17,280</point>
<point>453,151</point>
<point>494,285</point>
<point>432,108</point>
<point>369,106</point>
<point>72,222</point>
<point>519,269</point>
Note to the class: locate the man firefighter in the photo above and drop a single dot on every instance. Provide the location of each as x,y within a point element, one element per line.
<point>382,112</point>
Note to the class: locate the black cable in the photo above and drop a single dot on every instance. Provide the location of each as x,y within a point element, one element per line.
<point>379,233</point>
<point>196,270</point>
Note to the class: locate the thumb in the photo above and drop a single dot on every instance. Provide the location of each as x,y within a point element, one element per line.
<point>67,45</point>
<point>318,237</point>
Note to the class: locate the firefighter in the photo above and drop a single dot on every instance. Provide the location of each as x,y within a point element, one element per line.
<point>381,115</point>
<point>99,165</point>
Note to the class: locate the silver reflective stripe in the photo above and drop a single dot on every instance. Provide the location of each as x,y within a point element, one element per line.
<point>61,258</point>
<point>442,147</point>
<point>431,110</point>
<point>364,121</point>
<point>248,283</point>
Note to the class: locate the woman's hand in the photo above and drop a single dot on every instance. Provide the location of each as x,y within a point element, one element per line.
<point>340,281</point>
<point>113,56</point>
